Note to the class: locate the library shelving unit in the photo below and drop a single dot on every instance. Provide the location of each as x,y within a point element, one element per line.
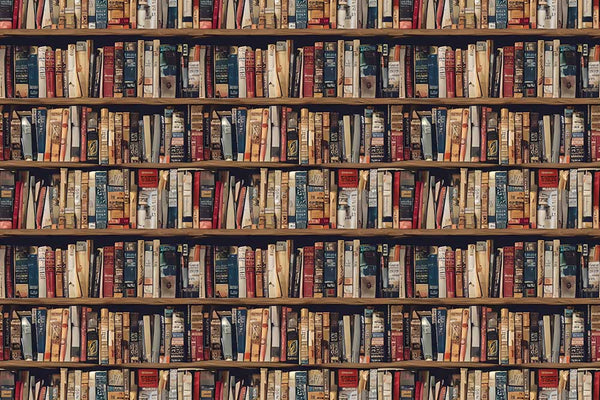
<point>452,235</point>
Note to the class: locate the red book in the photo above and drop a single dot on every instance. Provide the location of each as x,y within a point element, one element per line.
<point>284,313</point>
<point>409,272</point>
<point>250,274</point>
<point>396,389</point>
<point>17,202</point>
<point>483,155</point>
<point>508,272</point>
<point>108,77</point>
<point>283,140</point>
<point>309,272</point>
<point>83,334</point>
<point>209,73</point>
<point>450,274</point>
<point>16,9</point>
<point>18,389</point>
<point>416,14</point>
<point>596,391</point>
<point>596,204</point>
<point>10,293</point>
<point>418,389</point>
<point>50,274</point>
<point>50,74</point>
<point>396,199</point>
<point>108,277</point>
<point>450,74</point>
<point>209,272</point>
<point>216,11</point>
<point>216,205</point>
<point>417,204</point>
<point>408,68</point>
<point>484,311</point>
<point>250,74</point>
<point>8,68</point>
<point>309,71</point>
<point>83,151</point>
<point>218,384</point>
<point>508,71</point>
<point>196,391</point>
<point>147,378</point>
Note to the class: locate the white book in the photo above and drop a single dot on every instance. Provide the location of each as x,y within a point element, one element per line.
<point>241,256</point>
<point>47,19</point>
<point>442,71</point>
<point>273,79</point>
<point>41,71</point>
<point>556,68</point>
<point>473,78</point>
<point>441,256</point>
<point>242,71</point>
<point>274,287</point>
<point>74,286</point>
<point>72,78</point>
<point>356,67</point>
<point>473,278</point>
<point>201,73</point>
<point>41,255</point>
<point>155,67</point>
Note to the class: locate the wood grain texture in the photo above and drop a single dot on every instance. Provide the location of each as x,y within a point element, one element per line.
<point>290,233</point>
<point>300,302</point>
<point>317,101</point>
<point>213,364</point>
<point>221,164</point>
<point>208,33</point>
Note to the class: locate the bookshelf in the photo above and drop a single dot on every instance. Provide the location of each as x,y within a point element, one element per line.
<point>268,236</point>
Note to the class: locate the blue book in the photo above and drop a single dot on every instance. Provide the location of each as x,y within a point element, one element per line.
<point>440,334</point>
<point>301,200</point>
<point>301,14</point>
<point>101,383</point>
<point>172,15</point>
<point>241,116</point>
<point>530,269</point>
<point>241,315</point>
<point>432,72</point>
<point>368,261</point>
<point>233,277</point>
<point>330,69</point>
<point>572,15</point>
<point>330,269</point>
<point>501,385</point>
<point>421,71</point>
<point>130,69</point>
<point>172,203</point>
<point>301,383</point>
<point>530,69</point>
<point>168,270</point>
<point>130,269</point>
<point>441,116</point>
<point>372,14</point>
<point>32,68</point>
<point>41,116</point>
<point>101,14</point>
<point>501,200</point>
<point>101,200</point>
<point>32,266</point>
<point>433,281</point>
<point>41,315</point>
<point>21,62</point>
<point>568,270</point>
<point>501,14</point>
<point>232,72</point>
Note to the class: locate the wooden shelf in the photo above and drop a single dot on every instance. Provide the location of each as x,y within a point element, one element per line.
<point>268,33</point>
<point>327,301</point>
<point>291,233</point>
<point>216,364</point>
<point>221,164</point>
<point>292,101</point>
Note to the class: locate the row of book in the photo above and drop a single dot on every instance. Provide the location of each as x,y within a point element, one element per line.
<point>300,336</point>
<point>343,268</point>
<point>372,384</point>
<point>317,199</point>
<point>294,14</point>
<point>301,135</point>
<point>342,68</point>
